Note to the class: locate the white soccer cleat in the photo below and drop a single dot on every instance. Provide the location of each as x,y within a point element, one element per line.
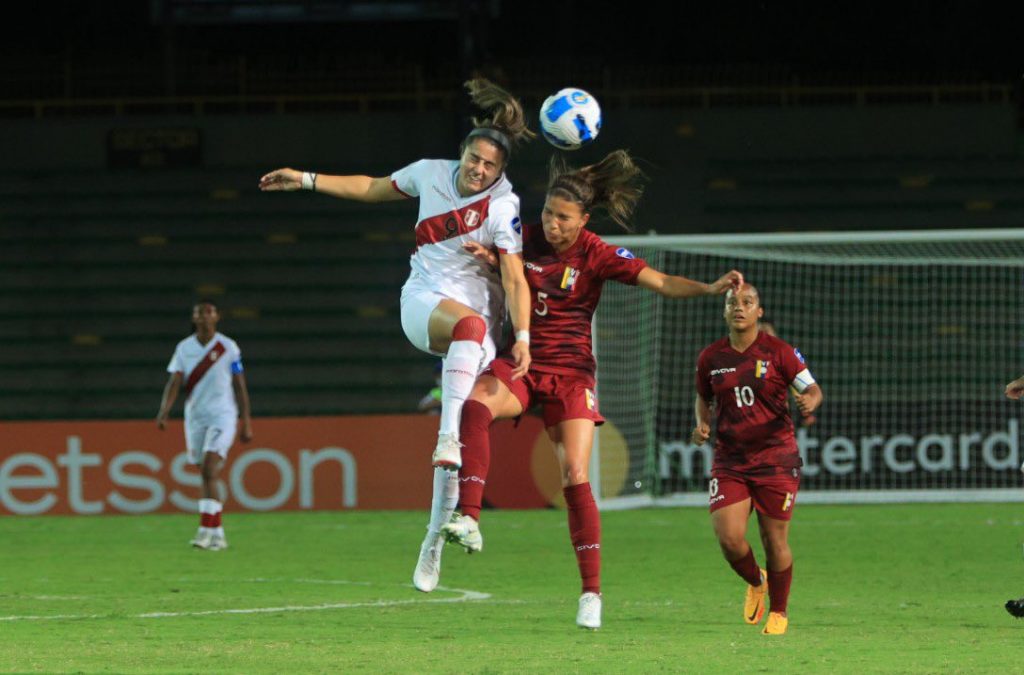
<point>465,532</point>
<point>448,453</point>
<point>428,567</point>
<point>218,542</point>
<point>203,539</point>
<point>589,613</point>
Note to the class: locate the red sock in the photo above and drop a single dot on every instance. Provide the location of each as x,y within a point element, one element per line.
<point>585,531</point>
<point>747,568</point>
<point>778,589</point>
<point>215,519</point>
<point>475,436</point>
<point>206,520</point>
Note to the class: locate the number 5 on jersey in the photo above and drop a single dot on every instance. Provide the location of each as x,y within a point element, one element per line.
<point>542,310</point>
<point>744,396</point>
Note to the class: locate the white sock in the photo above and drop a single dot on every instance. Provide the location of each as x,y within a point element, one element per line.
<point>445,499</point>
<point>461,365</point>
<point>218,531</point>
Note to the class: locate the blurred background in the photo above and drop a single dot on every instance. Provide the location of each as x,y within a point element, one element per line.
<point>133,134</point>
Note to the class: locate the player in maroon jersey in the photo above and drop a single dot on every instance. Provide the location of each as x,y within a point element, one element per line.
<point>566,267</point>
<point>452,305</point>
<point>745,377</point>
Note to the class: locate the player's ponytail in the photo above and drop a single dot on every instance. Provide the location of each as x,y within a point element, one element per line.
<point>614,184</point>
<point>505,123</point>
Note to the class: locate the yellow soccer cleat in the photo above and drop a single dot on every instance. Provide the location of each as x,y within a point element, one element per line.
<point>777,624</point>
<point>753,606</point>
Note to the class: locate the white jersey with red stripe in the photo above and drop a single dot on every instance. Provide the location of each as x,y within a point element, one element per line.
<point>212,396</point>
<point>448,220</point>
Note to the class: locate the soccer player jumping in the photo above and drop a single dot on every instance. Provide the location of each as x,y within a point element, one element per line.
<point>453,304</point>
<point>566,267</point>
<point>745,377</point>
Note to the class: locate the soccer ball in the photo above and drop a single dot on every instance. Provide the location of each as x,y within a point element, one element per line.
<point>570,119</point>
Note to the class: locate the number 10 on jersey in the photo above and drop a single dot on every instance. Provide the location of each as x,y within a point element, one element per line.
<point>744,396</point>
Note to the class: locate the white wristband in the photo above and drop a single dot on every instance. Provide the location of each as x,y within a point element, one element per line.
<point>523,336</point>
<point>308,181</point>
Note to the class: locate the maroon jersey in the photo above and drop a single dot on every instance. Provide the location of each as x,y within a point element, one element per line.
<point>754,431</point>
<point>566,288</point>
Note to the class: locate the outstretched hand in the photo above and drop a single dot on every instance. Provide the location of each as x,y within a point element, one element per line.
<point>1015,389</point>
<point>281,179</point>
<point>732,279</point>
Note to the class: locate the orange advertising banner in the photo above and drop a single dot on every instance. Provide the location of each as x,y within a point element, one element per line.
<point>295,463</point>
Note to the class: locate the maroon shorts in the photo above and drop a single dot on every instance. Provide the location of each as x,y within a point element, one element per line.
<point>772,494</point>
<point>561,397</point>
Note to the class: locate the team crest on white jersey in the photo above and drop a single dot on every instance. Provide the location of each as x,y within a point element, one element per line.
<point>472,219</point>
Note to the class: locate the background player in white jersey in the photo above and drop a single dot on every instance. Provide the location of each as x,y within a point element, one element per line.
<point>209,366</point>
<point>453,303</point>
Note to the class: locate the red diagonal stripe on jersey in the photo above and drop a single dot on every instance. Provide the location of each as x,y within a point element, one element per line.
<point>209,359</point>
<point>452,223</point>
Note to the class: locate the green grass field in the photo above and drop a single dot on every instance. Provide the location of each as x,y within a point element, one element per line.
<point>876,588</point>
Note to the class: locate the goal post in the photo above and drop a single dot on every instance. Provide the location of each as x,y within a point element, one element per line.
<point>912,336</point>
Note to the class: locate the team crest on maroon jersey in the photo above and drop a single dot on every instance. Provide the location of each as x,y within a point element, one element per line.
<point>569,278</point>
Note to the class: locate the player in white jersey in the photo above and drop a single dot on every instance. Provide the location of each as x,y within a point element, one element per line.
<point>453,304</point>
<point>209,366</point>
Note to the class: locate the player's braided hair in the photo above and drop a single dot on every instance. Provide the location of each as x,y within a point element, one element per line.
<point>614,184</point>
<point>505,113</point>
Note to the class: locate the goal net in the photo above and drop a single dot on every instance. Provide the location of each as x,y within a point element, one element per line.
<point>911,335</point>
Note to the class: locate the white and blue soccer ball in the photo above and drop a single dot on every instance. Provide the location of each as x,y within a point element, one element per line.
<point>570,119</point>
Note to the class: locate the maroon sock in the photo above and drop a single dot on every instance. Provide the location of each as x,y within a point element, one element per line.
<point>475,436</point>
<point>206,520</point>
<point>215,519</point>
<point>585,531</point>
<point>778,588</point>
<point>747,568</point>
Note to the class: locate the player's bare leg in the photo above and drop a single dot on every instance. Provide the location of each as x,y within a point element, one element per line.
<point>775,537</point>
<point>730,525</point>
<point>573,441</point>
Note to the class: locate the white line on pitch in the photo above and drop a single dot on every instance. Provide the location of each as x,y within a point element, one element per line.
<point>467,596</point>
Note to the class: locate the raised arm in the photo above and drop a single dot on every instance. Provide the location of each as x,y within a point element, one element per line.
<point>357,188</point>
<point>517,294</point>
<point>170,395</point>
<point>672,286</point>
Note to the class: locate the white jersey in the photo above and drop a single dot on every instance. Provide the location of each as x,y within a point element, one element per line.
<point>207,373</point>
<point>447,220</point>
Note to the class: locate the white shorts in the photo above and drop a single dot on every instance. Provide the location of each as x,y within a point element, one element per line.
<point>214,435</point>
<point>418,303</point>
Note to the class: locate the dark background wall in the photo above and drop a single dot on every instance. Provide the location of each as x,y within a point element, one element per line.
<point>747,117</point>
